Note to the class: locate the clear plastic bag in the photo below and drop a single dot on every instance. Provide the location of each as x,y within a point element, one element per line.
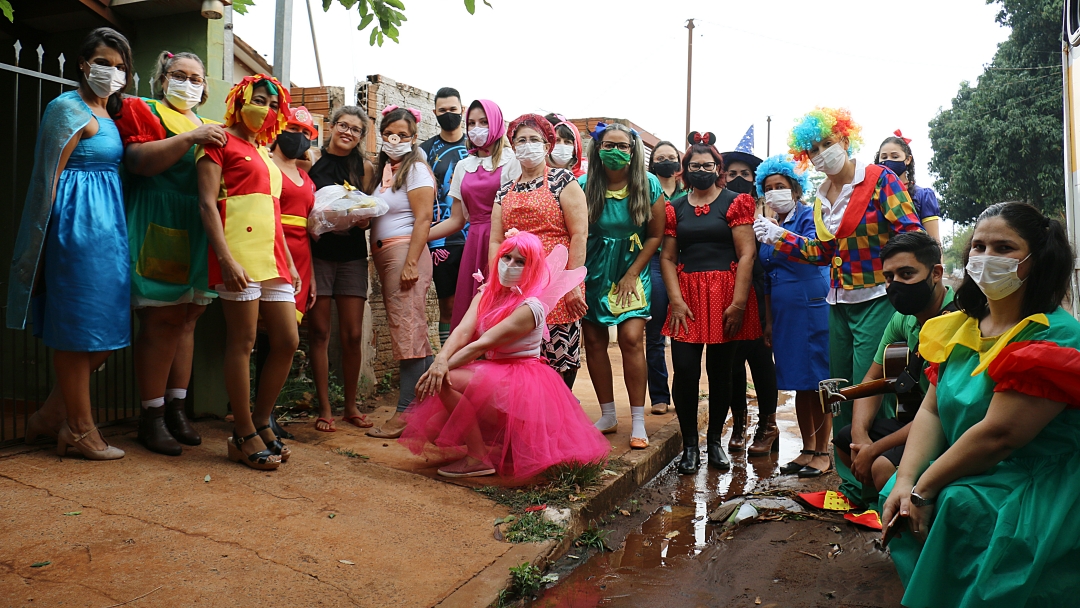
<point>337,209</point>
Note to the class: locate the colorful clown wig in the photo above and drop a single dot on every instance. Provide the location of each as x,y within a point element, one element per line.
<point>781,164</point>
<point>241,94</point>
<point>497,301</point>
<point>822,123</point>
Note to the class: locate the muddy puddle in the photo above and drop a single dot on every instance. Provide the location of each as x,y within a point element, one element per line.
<point>666,553</point>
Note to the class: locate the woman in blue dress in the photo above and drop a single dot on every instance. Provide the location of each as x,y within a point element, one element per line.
<point>71,255</point>
<point>797,325</point>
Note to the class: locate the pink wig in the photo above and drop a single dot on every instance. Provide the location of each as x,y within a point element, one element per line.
<point>498,301</point>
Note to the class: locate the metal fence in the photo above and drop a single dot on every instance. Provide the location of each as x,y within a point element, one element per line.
<point>25,362</point>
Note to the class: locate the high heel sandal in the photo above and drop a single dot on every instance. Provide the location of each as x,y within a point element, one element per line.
<point>263,460</point>
<point>67,438</point>
<point>275,445</point>
<point>809,471</point>
<point>793,467</point>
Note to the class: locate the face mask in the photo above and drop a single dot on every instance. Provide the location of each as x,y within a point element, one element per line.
<point>780,201</point>
<point>104,80</point>
<point>740,185</point>
<point>293,145</point>
<point>396,151</point>
<point>562,153</point>
<point>666,168</point>
<point>911,298</point>
<point>995,275</point>
<point>831,161</point>
<point>701,180</point>
<point>257,117</point>
<point>614,160</point>
<point>449,121</point>
<point>530,155</point>
<point>898,167</point>
<point>509,275</point>
<point>183,95</point>
<point>478,136</point>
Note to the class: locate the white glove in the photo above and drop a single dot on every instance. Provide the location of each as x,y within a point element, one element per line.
<point>767,231</point>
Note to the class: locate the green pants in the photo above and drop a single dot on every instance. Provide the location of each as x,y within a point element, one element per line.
<point>855,332</point>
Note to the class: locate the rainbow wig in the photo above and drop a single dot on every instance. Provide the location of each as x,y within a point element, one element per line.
<point>821,123</point>
<point>781,164</point>
<point>241,94</point>
<point>497,300</point>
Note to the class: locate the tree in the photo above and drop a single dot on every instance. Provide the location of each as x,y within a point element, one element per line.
<point>1002,139</point>
<point>955,246</point>
<point>389,15</point>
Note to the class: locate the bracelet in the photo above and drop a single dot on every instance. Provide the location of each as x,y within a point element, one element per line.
<point>739,307</point>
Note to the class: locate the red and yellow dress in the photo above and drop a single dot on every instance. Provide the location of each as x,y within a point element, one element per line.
<point>249,201</point>
<point>296,204</point>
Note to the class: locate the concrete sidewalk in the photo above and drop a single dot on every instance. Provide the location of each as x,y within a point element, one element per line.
<point>324,530</point>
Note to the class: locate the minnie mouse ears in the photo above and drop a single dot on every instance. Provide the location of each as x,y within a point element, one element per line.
<point>705,138</point>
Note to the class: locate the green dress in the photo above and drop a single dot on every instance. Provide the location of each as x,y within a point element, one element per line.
<point>167,243</point>
<point>613,245</point>
<point>1009,537</point>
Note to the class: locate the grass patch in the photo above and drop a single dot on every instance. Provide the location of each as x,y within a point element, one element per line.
<point>346,452</point>
<point>593,538</point>
<point>563,481</point>
<point>533,528</point>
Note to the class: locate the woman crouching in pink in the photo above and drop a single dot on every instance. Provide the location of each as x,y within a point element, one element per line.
<point>508,413</point>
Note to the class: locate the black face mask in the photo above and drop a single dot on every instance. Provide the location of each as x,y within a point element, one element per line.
<point>740,185</point>
<point>666,168</point>
<point>449,121</point>
<point>911,298</point>
<point>293,145</point>
<point>701,180</point>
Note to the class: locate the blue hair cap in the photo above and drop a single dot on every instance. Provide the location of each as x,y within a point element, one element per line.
<point>781,164</point>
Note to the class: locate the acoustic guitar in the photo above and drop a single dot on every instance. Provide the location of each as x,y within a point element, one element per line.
<point>897,360</point>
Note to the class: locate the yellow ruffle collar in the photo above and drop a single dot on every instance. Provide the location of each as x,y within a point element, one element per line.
<point>940,335</point>
<point>175,122</point>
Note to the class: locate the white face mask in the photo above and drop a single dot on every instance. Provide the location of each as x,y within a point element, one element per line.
<point>396,151</point>
<point>831,161</point>
<point>183,95</point>
<point>995,275</point>
<point>509,275</point>
<point>478,136</point>
<point>104,80</point>
<point>530,155</point>
<point>780,201</point>
<point>562,153</point>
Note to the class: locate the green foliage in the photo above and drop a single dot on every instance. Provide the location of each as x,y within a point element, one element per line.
<point>593,538</point>
<point>571,474</point>
<point>346,452</point>
<point>386,15</point>
<point>952,253</point>
<point>5,7</point>
<point>1002,139</point>
<point>533,528</point>
<point>524,580</point>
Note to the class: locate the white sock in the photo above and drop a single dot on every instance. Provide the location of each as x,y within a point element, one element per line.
<point>637,418</point>
<point>158,402</point>
<point>607,416</point>
<point>175,393</point>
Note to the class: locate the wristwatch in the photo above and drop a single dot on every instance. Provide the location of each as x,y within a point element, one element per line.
<point>919,501</point>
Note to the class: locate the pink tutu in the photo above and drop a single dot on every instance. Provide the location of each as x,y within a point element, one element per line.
<point>528,420</point>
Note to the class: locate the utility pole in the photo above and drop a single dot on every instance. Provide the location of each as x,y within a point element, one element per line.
<point>314,44</point>
<point>689,69</point>
<point>283,42</point>
<point>768,137</point>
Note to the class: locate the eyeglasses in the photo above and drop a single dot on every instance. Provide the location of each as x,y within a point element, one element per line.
<point>344,127</point>
<point>610,145</point>
<point>701,166</point>
<point>666,159</point>
<point>528,140</point>
<point>194,79</point>
<point>745,174</point>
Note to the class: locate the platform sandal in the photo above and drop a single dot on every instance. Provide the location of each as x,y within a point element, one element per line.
<point>263,460</point>
<point>275,445</point>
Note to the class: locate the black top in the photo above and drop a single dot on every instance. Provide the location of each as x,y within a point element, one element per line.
<point>705,240</point>
<point>328,170</point>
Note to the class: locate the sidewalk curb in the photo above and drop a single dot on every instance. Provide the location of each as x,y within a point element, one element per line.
<point>641,466</point>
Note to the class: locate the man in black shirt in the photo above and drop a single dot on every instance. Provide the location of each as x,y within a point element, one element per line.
<point>443,152</point>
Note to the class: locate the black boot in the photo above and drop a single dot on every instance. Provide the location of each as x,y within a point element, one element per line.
<point>155,435</point>
<point>715,447</point>
<point>690,461</point>
<point>178,424</point>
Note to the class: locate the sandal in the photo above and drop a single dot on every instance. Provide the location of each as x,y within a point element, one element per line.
<point>793,467</point>
<point>358,421</point>
<point>461,469</point>
<point>378,433</point>
<point>276,447</point>
<point>329,422</point>
<point>262,460</point>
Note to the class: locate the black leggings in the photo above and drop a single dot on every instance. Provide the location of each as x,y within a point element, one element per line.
<point>763,370</point>
<point>686,364</point>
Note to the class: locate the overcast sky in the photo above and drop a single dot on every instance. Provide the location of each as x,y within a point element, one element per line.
<point>893,64</point>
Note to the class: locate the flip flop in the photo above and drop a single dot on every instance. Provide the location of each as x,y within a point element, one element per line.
<point>358,421</point>
<point>381,434</point>
<point>329,423</point>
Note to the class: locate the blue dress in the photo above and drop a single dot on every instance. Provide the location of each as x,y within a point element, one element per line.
<point>85,304</point>
<point>800,329</point>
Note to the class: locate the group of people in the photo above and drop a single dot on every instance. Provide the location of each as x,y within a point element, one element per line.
<point>538,244</point>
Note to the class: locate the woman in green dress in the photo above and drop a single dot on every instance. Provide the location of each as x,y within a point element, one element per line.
<point>626,223</point>
<point>168,246</point>
<point>985,497</point>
